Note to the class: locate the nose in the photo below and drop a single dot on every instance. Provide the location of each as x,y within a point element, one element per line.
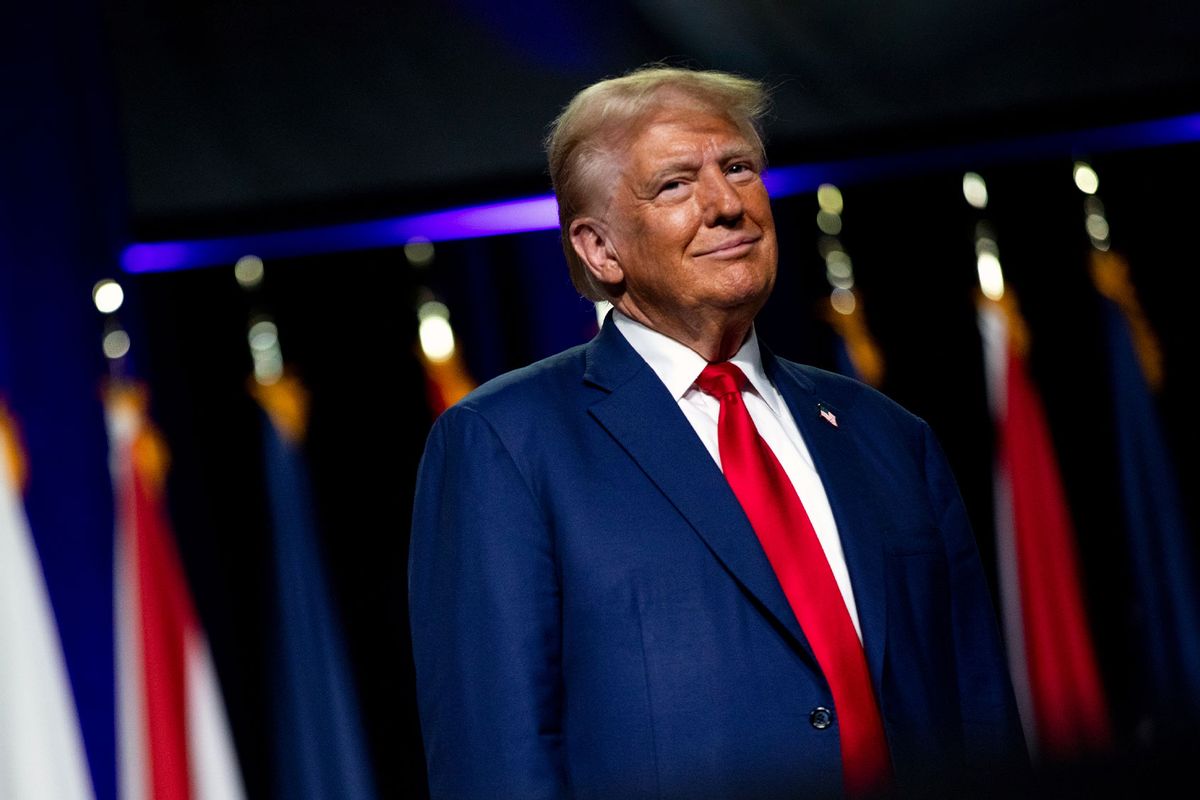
<point>720,200</point>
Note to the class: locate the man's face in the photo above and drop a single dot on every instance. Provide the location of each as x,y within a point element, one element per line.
<point>690,223</point>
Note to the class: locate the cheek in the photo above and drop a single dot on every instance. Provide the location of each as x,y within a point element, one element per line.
<point>771,249</point>
<point>758,206</point>
<point>673,228</point>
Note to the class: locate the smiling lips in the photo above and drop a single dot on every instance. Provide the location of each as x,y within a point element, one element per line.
<point>734,248</point>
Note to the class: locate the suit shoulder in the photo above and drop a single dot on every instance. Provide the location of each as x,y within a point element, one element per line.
<point>528,389</point>
<point>523,411</point>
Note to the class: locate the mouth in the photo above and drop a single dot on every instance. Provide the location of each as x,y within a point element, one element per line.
<point>732,248</point>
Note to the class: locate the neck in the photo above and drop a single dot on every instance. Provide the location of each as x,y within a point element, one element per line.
<point>713,339</point>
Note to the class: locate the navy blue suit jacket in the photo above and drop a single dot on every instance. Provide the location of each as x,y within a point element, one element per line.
<point>593,616</point>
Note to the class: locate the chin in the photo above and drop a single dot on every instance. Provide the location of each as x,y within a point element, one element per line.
<point>751,290</point>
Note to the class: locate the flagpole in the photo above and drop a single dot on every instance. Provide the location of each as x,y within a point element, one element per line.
<point>859,353</point>
<point>319,740</point>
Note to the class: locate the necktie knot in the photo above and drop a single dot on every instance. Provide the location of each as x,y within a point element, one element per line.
<point>721,379</point>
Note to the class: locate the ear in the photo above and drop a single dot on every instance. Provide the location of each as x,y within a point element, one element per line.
<point>592,244</point>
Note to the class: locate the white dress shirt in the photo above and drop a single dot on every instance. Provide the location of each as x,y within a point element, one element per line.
<point>678,366</point>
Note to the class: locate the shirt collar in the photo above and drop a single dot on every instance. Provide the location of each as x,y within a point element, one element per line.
<point>678,366</point>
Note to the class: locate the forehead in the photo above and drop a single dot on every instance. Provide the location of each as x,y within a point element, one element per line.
<point>681,133</point>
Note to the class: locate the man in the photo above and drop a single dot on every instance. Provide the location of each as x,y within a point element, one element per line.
<point>669,564</point>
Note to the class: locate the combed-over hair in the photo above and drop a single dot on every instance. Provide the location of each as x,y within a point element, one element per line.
<point>598,121</point>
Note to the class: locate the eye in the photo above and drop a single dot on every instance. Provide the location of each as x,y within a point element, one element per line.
<point>671,186</point>
<point>739,168</point>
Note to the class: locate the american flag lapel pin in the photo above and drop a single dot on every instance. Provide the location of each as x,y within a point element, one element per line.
<point>827,415</point>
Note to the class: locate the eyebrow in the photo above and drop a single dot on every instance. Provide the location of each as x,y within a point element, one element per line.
<point>689,163</point>
<point>741,151</point>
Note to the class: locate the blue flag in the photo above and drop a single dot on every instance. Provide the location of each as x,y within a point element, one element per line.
<point>1166,590</point>
<point>320,746</point>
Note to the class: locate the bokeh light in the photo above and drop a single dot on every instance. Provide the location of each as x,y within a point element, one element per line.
<point>434,331</point>
<point>991,277</point>
<point>419,251</point>
<point>116,343</point>
<point>248,271</point>
<point>108,296</point>
<point>975,190</point>
<point>263,335</point>
<point>829,198</point>
<point>843,301</point>
<point>830,224</point>
<point>1097,227</point>
<point>1086,178</point>
<point>838,264</point>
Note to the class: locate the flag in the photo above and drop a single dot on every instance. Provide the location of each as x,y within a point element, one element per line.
<point>446,381</point>
<point>174,741</point>
<point>1165,586</point>
<point>320,745</point>
<point>1051,655</point>
<point>41,744</point>
<point>858,354</point>
<point>446,378</point>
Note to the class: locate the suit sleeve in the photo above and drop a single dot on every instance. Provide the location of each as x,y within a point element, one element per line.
<point>485,613</point>
<point>992,737</point>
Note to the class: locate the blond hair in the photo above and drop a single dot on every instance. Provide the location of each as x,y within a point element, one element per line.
<point>599,120</point>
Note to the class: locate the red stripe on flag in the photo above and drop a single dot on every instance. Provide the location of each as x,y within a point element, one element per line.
<point>175,742</point>
<point>1068,699</point>
<point>166,617</point>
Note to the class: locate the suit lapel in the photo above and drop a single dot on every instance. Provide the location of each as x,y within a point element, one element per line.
<point>836,452</point>
<point>640,414</point>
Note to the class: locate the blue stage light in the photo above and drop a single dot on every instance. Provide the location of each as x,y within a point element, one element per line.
<point>540,213</point>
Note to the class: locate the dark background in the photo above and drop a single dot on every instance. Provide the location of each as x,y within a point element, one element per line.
<point>137,121</point>
<point>234,113</point>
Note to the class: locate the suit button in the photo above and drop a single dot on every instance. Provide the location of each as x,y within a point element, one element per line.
<point>820,718</point>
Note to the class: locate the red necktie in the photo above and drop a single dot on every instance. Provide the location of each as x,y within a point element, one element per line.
<point>779,520</point>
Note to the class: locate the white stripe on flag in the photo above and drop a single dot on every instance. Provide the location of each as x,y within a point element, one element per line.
<point>133,774</point>
<point>215,774</point>
<point>41,744</point>
<point>993,328</point>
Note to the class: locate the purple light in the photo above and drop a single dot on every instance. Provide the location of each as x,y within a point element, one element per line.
<point>541,213</point>
<point>157,256</point>
<point>494,219</point>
